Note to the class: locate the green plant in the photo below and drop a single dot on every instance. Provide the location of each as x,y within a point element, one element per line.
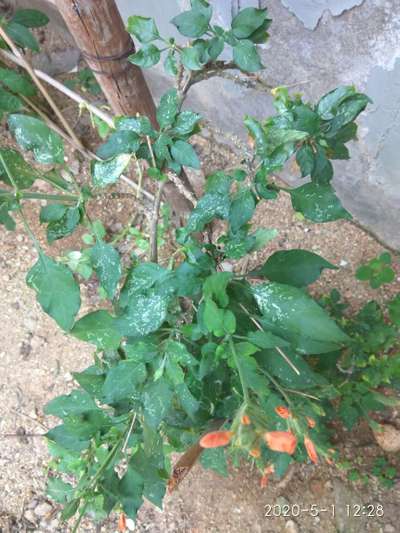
<point>377,271</point>
<point>185,351</point>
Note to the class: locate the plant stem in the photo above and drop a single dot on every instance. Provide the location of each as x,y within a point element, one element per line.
<point>154,224</point>
<point>40,196</point>
<point>239,369</point>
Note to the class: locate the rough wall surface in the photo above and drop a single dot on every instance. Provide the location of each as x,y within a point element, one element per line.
<point>316,45</point>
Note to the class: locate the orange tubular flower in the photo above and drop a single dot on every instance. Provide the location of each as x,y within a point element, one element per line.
<point>255,452</point>
<point>283,411</point>
<point>268,470</point>
<point>311,422</point>
<point>281,441</point>
<point>122,523</point>
<point>311,451</point>
<point>245,420</point>
<point>215,439</point>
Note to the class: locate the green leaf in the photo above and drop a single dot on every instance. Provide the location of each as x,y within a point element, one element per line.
<point>322,172</point>
<point>245,56</point>
<point>16,82</point>
<point>129,493</point>
<point>247,21</point>
<point>23,174</point>
<point>294,267</point>
<point>91,380</point>
<point>318,203</point>
<point>76,403</point>
<point>213,318</point>
<point>188,402</point>
<point>107,172</point>
<point>170,64</point>
<point>62,220</point>
<point>33,134</point>
<point>329,103</point>
<point>215,459</point>
<point>209,206</point>
<point>191,58</point>
<point>56,290</point>
<point>122,381</point>
<point>193,23</point>
<point>215,47</point>
<point>5,218</point>
<point>22,36</point>
<point>9,103</point>
<point>168,108</point>
<point>107,265</point>
<point>216,285</point>
<point>157,402</point>
<point>98,328</point>
<point>58,490</point>
<point>145,313</point>
<point>143,28</point>
<point>119,142</point>
<point>265,339</point>
<point>148,56</point>
<point>30,18</point>
<point>61,436</point>
<point>186,122</point>
<point>290,313</point>
<point>185,154</point>
<point>150,467</point>
<point>242,208</point>
<point>305,160</point>
<point>70,509</point>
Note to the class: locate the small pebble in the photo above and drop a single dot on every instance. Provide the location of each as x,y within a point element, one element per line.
<point>389,528</point>
<point>30,516</point>
<point>343,263</point>
<point>43,509</point>
<point>291,527</point>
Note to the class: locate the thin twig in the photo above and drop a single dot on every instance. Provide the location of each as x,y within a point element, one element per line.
<point>27,66</point>
<point>61,87</point>
<point>123,449</point>
<point>279,350</point>
<point>154,224</point>
<point>19,413</point>
<point>85,152</point>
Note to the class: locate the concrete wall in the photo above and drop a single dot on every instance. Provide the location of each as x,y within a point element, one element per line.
<point>316,45</point>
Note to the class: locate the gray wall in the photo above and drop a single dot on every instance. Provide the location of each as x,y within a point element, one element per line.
<point>317,45</point>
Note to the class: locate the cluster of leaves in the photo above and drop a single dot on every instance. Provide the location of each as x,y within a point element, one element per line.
<point>20,25</point>
<point>187,347</point>
<point>86,81</point>
<point>208,40</point>
<point>377,271</point>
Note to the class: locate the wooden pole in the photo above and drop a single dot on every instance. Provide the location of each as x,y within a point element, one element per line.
<point>100,34</point>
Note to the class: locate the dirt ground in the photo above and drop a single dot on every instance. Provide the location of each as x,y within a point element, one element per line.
<point>37,359</point>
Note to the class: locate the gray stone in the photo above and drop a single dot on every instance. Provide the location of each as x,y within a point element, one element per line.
<point>310,11</point>
<point>43,509</point>
<point>345,522</point>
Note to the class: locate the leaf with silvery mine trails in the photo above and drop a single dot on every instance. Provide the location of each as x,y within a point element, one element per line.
<point>290,313</point>
<point>318,203</point>
<point>107,172</point>
<point>33,134</point>
<point>246,56</point>
<point>24,175</point>
<point>168,108</point>
<point>107,265</point>
<point>56,290</point>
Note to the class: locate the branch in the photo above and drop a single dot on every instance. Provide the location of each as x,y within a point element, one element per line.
<point>219,68</point>
<point>154,224</point>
